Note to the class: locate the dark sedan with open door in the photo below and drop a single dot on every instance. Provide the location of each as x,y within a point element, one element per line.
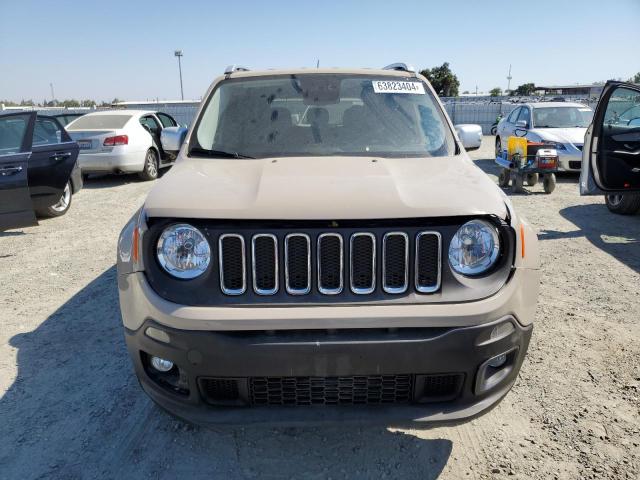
<point>38,169</point>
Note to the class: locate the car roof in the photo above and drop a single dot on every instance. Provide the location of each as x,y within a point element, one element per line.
<point>557,104</point>
<point>126,111</point>
<point>302,71</point>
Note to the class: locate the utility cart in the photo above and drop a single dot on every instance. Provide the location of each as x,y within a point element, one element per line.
<point>526,161</point>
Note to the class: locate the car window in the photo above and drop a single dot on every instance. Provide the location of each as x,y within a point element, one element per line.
<point>166,120</point>
<point>150,122</point>
<point>98,122</point>
<point>12,132</point>
<point>562,117</point>
<point>513,115</point>
<point>623,108</point>
<point>525,115</point>
<point>323,114</point>
<point>46,132</point>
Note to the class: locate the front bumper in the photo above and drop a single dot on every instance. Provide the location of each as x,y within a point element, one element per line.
<point>570,161</point>
<point>245,356</point>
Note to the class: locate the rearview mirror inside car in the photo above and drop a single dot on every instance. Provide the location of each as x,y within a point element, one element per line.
<point>172,138</point>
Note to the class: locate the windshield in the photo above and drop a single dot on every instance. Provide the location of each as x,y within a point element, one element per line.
<point>95,122</point>
<point>322,114</point>
<point>562,117</point>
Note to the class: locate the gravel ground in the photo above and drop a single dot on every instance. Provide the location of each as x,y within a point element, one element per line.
<point>71,408</point>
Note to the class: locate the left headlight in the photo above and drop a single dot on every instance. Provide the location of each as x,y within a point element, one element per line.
<point>183,251</point>
<point>556,145</point>
<point>474,248</point>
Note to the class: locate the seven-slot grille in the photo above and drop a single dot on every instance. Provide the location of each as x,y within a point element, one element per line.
<point>332,254</point>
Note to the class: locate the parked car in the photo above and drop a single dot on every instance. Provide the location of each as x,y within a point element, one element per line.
<point>470,135</point>
<point>325,241</point>
<point>122,141</point>
<point>38,169</point>
<point>611,161</point>
<point>562,124</point>
<point>67,117</point>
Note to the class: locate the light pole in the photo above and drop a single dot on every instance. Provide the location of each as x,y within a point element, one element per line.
<point>178,53</point>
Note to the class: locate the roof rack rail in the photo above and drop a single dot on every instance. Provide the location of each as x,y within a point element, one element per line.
<point>235,68</point>
<point>403,67</point>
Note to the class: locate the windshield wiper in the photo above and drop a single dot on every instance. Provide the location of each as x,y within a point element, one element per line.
<point>217,153</point>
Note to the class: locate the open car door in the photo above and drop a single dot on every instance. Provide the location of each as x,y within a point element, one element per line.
<point>16,208</point>
<point>611,154</point>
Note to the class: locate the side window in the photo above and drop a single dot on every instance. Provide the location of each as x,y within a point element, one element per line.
<point>623,108</point>
<point>151,123</point>
<point>166,120</point>
<point>525,115</point>
<point>513,115</point>
<point>12,132</point>
<point>47,132</point>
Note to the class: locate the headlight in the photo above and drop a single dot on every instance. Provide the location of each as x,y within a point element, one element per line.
<point>474,248</point>
<point>556,145</point>
<point>183,251</point>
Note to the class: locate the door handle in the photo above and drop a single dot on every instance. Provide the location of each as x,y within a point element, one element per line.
<point>627,152</point>
<point>6,171</point>
<point>58,157</point>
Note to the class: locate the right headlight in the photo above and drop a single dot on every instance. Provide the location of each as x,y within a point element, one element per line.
<point>474,248</point>
<point>183,251</point>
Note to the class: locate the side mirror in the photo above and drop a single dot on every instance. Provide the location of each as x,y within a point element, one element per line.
<point>521,124</point>
<point>172,138</point>
<point>470,135</point>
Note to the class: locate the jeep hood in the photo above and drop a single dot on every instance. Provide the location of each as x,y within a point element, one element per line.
<point>561,135</point>
<point>325,188</point>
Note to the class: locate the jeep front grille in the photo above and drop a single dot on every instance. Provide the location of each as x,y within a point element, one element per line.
<point>326,263</point>
<point>339,390</point>
<point>233,271</point>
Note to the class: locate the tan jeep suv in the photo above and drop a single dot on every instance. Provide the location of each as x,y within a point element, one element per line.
<point>322,249</point>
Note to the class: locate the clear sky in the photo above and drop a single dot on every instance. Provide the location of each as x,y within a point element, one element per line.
<point>106,49</point>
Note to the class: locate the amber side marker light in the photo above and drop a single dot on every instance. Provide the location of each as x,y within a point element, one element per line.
<point>134,246</point>
<point>522,238</point>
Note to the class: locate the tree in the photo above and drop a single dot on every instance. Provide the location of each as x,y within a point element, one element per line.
<point>495,92</point>
<point>525,90</point>
<point>635,78</point>
<point>444,81</point>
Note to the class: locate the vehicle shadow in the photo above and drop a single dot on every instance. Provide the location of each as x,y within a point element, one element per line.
<point>75,411</point>
<point>109,180</point>
<point>617,235</point>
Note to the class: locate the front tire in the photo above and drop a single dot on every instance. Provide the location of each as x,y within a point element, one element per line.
<point>61,207</point>
<point>532,179</point>
<point>498,147</point>
<point>150,171</point>
<point>549,182</point>
<point>623,204</point>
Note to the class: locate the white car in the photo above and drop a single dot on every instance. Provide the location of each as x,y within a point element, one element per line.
<point>122,141</point>
<point>562,124</point>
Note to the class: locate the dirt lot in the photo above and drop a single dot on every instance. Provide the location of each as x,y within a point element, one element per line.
<point>71,408</point>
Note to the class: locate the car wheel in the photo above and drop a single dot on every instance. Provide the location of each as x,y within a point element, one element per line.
<point>504,178</point>
<point>498,147</point>
<point>623,204</point>
<point>532,179</point>
<point>549,183</point>
<point>61,207</point>
<point>494,130</point>
<point>518,181</point>
<point>150,171</point>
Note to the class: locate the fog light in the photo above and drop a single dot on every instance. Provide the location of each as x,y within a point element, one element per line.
<point>497,362</point>
<point>161,364</point>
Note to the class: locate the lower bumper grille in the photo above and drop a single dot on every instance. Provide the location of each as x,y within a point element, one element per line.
<point>347,390</point>
<point>575,164</point>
